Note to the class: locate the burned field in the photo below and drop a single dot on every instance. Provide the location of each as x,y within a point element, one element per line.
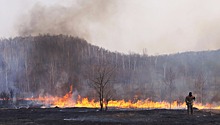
<point>81,116</point>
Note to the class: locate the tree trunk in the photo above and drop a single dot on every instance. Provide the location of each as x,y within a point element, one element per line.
<point>170,99</point>
<point>106,105</point>
<point>101,104</point>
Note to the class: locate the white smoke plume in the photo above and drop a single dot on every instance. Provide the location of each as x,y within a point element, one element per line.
<point>161,26</point>
<point>78,19</point>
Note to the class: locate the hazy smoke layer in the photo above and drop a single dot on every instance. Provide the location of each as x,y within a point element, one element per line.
<point>77,19</point>
<point>159,26</point>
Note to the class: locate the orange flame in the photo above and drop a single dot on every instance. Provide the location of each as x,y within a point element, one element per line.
<point>68,101</point>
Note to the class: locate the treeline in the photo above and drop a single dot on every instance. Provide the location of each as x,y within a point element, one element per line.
<point>49,64</point>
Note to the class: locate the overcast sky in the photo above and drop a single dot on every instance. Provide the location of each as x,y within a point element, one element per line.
<point>160,26</point>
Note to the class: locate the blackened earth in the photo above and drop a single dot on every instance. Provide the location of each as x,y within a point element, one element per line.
<point>87,116</point>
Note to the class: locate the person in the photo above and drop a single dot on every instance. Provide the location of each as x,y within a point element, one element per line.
<point>189,102</point>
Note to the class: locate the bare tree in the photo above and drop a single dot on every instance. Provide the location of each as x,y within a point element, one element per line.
<point>5,96</point>
<point>169,81</point>
<point>101,82</point>
<point>108,95</point>
<point>199,86</point>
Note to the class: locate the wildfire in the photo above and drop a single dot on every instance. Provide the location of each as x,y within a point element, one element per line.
<point>68,101</point>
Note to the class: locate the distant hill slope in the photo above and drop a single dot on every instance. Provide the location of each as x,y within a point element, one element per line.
<point>49,64</point>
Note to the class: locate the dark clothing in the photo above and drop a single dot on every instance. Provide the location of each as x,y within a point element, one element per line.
<point>189,109</point>
<point>189,102</point>
<point>189,99</point>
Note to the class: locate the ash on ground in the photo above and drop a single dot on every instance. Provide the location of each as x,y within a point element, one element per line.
<point>84,116</point>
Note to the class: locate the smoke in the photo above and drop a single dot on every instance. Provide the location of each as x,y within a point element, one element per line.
<point>159,26</point>
<point>209,37</point>
<point>77,19</point>
<point>75,95</point>
<point>63,79</point>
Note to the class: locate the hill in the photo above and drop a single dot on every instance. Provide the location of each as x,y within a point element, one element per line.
<point>50,64</point>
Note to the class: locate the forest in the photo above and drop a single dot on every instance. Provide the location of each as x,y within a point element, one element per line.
<point>47,64</point>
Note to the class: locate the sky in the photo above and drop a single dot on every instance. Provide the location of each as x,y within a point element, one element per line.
<point>159,26</point>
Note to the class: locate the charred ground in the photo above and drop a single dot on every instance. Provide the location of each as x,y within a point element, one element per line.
<point>82,116</point>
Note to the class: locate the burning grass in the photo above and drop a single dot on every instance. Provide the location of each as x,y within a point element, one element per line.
<point>69,101</point>
<point>140,104</point>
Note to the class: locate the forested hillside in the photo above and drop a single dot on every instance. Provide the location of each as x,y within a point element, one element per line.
<point>49,64</point>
